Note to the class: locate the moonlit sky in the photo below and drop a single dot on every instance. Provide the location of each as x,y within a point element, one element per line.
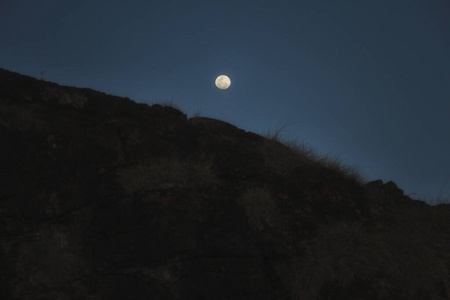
<point>366,81</point>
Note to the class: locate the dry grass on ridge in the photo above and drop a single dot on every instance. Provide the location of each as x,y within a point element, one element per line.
<point>295,154</point>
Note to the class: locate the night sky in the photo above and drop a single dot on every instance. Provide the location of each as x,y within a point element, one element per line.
<point>366,81</point>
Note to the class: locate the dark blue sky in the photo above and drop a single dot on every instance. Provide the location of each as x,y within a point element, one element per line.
<point>367,81</point>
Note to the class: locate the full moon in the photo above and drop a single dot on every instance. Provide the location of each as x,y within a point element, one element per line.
<point>223,82</point>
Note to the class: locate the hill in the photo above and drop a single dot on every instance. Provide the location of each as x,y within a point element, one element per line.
<point>105,198</point>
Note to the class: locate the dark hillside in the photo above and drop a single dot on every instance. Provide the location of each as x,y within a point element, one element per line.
<point>104,198</point>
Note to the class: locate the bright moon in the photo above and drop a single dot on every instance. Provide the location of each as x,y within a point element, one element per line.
<point>223,82</point>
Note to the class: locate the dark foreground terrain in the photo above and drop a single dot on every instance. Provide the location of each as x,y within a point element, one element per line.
<point>104,198</point>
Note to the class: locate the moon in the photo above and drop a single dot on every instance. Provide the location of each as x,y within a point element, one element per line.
<point>223,82</point>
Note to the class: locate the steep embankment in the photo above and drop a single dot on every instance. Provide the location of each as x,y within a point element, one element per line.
<point>104,198</point>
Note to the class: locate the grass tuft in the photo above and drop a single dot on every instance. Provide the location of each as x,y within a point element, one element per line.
<point>259,205</point>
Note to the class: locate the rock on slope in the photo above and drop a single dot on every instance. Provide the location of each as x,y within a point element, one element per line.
<point>104,198</point>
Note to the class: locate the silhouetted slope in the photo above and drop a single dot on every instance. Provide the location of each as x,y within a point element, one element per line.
<point>104,198</point>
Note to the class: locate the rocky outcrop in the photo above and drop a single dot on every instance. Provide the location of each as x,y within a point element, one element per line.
<point>104,198</point>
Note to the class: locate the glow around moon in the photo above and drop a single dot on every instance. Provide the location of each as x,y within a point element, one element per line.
<point>223,82</point>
